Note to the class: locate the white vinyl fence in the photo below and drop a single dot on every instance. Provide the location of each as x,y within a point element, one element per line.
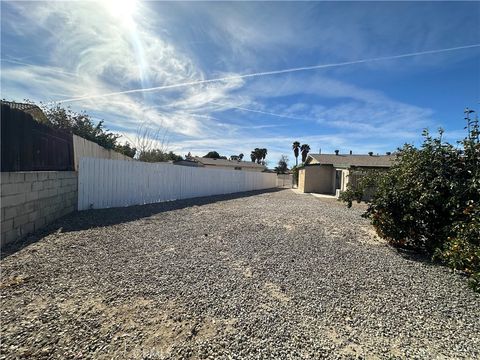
<point>104,183</point>
<point>85,148</point>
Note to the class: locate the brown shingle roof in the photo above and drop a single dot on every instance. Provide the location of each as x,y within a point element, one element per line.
<point>352,160</point>
<point>224,162</point>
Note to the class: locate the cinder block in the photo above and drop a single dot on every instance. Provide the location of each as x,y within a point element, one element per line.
<point>10,236</point>
<point>50,210</point>
<point>4,178</point>
<point>31,176</point>
<point>49,184</point>
<point>72,201</point>
<point>32,195</point>
<point>7,225</point>
<point>66,174</point>
<point>69,188</point>
<point>41,202</point>
<point>27,228</point>
<point>13,200</point>
<point>46,193</point>
<point>62,211</point>
<point>48,203</point>
<point>29,207</point>
<point>42,175</point>
<point>37,185</point>
<point>20,220</point>
<point>47,210</point>
<point>16,177</point>
<point>56,200</point>
<point>53,174</point>
<point>15,188</point>
<point>67,182</point>
<point>39,223</point>
<point>9,212</point>
<point>20,209</point>
<point>33,215</point>
<point>51,217</point>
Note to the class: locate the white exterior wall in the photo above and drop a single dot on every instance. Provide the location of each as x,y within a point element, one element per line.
<point>106,183</point>
<point>318,179</point>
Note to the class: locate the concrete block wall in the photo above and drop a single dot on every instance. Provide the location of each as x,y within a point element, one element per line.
<point>30,200</point>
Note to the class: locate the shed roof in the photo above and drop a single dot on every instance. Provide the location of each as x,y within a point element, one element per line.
<point>351,160</point>
<point>225,162</point>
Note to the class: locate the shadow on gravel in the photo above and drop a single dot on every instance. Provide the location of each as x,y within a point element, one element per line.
<point>417,256</point>
<point>82,220</point>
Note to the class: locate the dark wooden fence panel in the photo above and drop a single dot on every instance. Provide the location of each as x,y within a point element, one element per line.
<point>28,145</point>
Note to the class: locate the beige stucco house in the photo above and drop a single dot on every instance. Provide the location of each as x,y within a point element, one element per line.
<point>222,164</point>
<point>330,173</point>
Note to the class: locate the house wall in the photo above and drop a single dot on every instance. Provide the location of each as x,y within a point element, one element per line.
<point>30,200</point>
<point>86,148</point>
<point>318,179</point>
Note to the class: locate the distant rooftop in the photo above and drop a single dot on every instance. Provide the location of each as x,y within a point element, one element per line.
<point>225,162</point>
<point>343,160</point>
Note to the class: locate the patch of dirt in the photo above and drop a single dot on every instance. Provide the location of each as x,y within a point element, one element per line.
<point>370,236</point>
<point>244,269</point>
<point>13,281</point>
<point>347,348</point>
<point>142,326</point>
<point>276,292</point>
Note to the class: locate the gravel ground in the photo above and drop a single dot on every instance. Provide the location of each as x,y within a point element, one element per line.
<point>259,275</point>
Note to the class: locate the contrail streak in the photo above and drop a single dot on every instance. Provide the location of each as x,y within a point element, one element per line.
<point>47,69</point>
<point>260,112</point>
<point>266,73</point>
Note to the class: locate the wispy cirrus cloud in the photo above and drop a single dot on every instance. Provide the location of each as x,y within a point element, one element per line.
<point>234,76</point>
<point>109,56</point>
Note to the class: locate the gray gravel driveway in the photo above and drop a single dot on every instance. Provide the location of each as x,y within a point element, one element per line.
<point>254,276</point>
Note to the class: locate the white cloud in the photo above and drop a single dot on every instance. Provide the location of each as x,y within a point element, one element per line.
<point>107,56</point>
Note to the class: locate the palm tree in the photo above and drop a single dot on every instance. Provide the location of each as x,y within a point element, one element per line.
<point>296,148</point>
<point>264,153</point>
<point>305,149</point>
<point>258,155</point>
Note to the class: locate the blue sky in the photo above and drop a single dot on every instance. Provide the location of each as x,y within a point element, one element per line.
<point>63,51</point>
